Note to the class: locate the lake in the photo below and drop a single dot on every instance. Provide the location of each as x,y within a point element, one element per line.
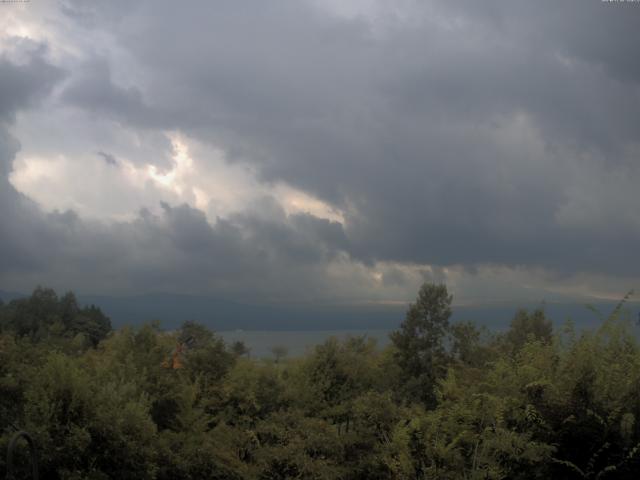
<point>296,342</point>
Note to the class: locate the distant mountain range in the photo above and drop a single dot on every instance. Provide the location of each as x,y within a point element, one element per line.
<point>223,315</point>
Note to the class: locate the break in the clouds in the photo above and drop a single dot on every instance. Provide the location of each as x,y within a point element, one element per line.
<point>321,150</point>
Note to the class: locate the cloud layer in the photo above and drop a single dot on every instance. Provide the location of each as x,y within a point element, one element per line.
<point>309,150</point>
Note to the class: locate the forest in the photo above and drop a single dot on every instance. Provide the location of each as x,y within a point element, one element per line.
<point>443,401</point>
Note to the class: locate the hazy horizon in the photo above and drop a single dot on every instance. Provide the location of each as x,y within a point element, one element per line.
<point>228,316</point>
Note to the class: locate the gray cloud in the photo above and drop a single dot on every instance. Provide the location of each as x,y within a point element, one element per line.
<point>416,129</point>
<point>20,85</point>
<point>23,84</point>
<point>471,134</point>
<point>93,89</point>
<point>177,250</point>
<point>108,158</point>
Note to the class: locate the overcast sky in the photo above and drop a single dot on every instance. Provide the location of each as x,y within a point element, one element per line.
<point>321,150</point>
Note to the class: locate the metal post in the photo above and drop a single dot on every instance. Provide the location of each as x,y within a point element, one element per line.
<point>32,450</point>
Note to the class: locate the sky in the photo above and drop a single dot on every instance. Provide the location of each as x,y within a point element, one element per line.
<point>321,151</point>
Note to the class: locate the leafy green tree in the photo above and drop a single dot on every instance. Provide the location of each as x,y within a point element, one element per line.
<point>279,352</point>
<point>92,323</point>
<point>470,345</point>
<point>207,357</point>
<point>86,425</point>
<point>293,445</point>
<point>240,349</point>
<point>442,401</point>
<point>334,375</point>
<point>251,392</point>
<point>526,327</point>
<point>30,317</point>
<point>420,342</point>
<point>44,316</point>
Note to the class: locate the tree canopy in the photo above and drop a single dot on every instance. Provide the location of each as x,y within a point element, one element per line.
<point>420,342</point>
<point>442,401</point>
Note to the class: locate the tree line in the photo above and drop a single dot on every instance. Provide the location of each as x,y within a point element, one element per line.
<point>442,401</point>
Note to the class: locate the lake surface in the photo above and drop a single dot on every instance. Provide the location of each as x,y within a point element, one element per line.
<point>296,342</point>
<point>496,318</point>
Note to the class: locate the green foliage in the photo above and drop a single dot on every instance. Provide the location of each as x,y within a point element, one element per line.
<point>239,349</point>
<point>420,347</point>
<point>441,402</point>
<point>526,327</point>
<point>45,317</point>
<point>85,424</point>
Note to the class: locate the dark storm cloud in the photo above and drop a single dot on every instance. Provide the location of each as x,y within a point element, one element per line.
<point>177,250</point>
<point>473,133</point>
<point>406,129</point>
<point>22,84</point>
<point>94,90</point>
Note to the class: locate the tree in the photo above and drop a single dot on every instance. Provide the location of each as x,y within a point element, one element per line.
<point>90,321</point>
<point>279,352</point>
<point>468,345</point>
<point>205,353</point>
<point>45,316</point>
<point>239,348</point>
<point>527,326</point>
<point>419,343</point>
